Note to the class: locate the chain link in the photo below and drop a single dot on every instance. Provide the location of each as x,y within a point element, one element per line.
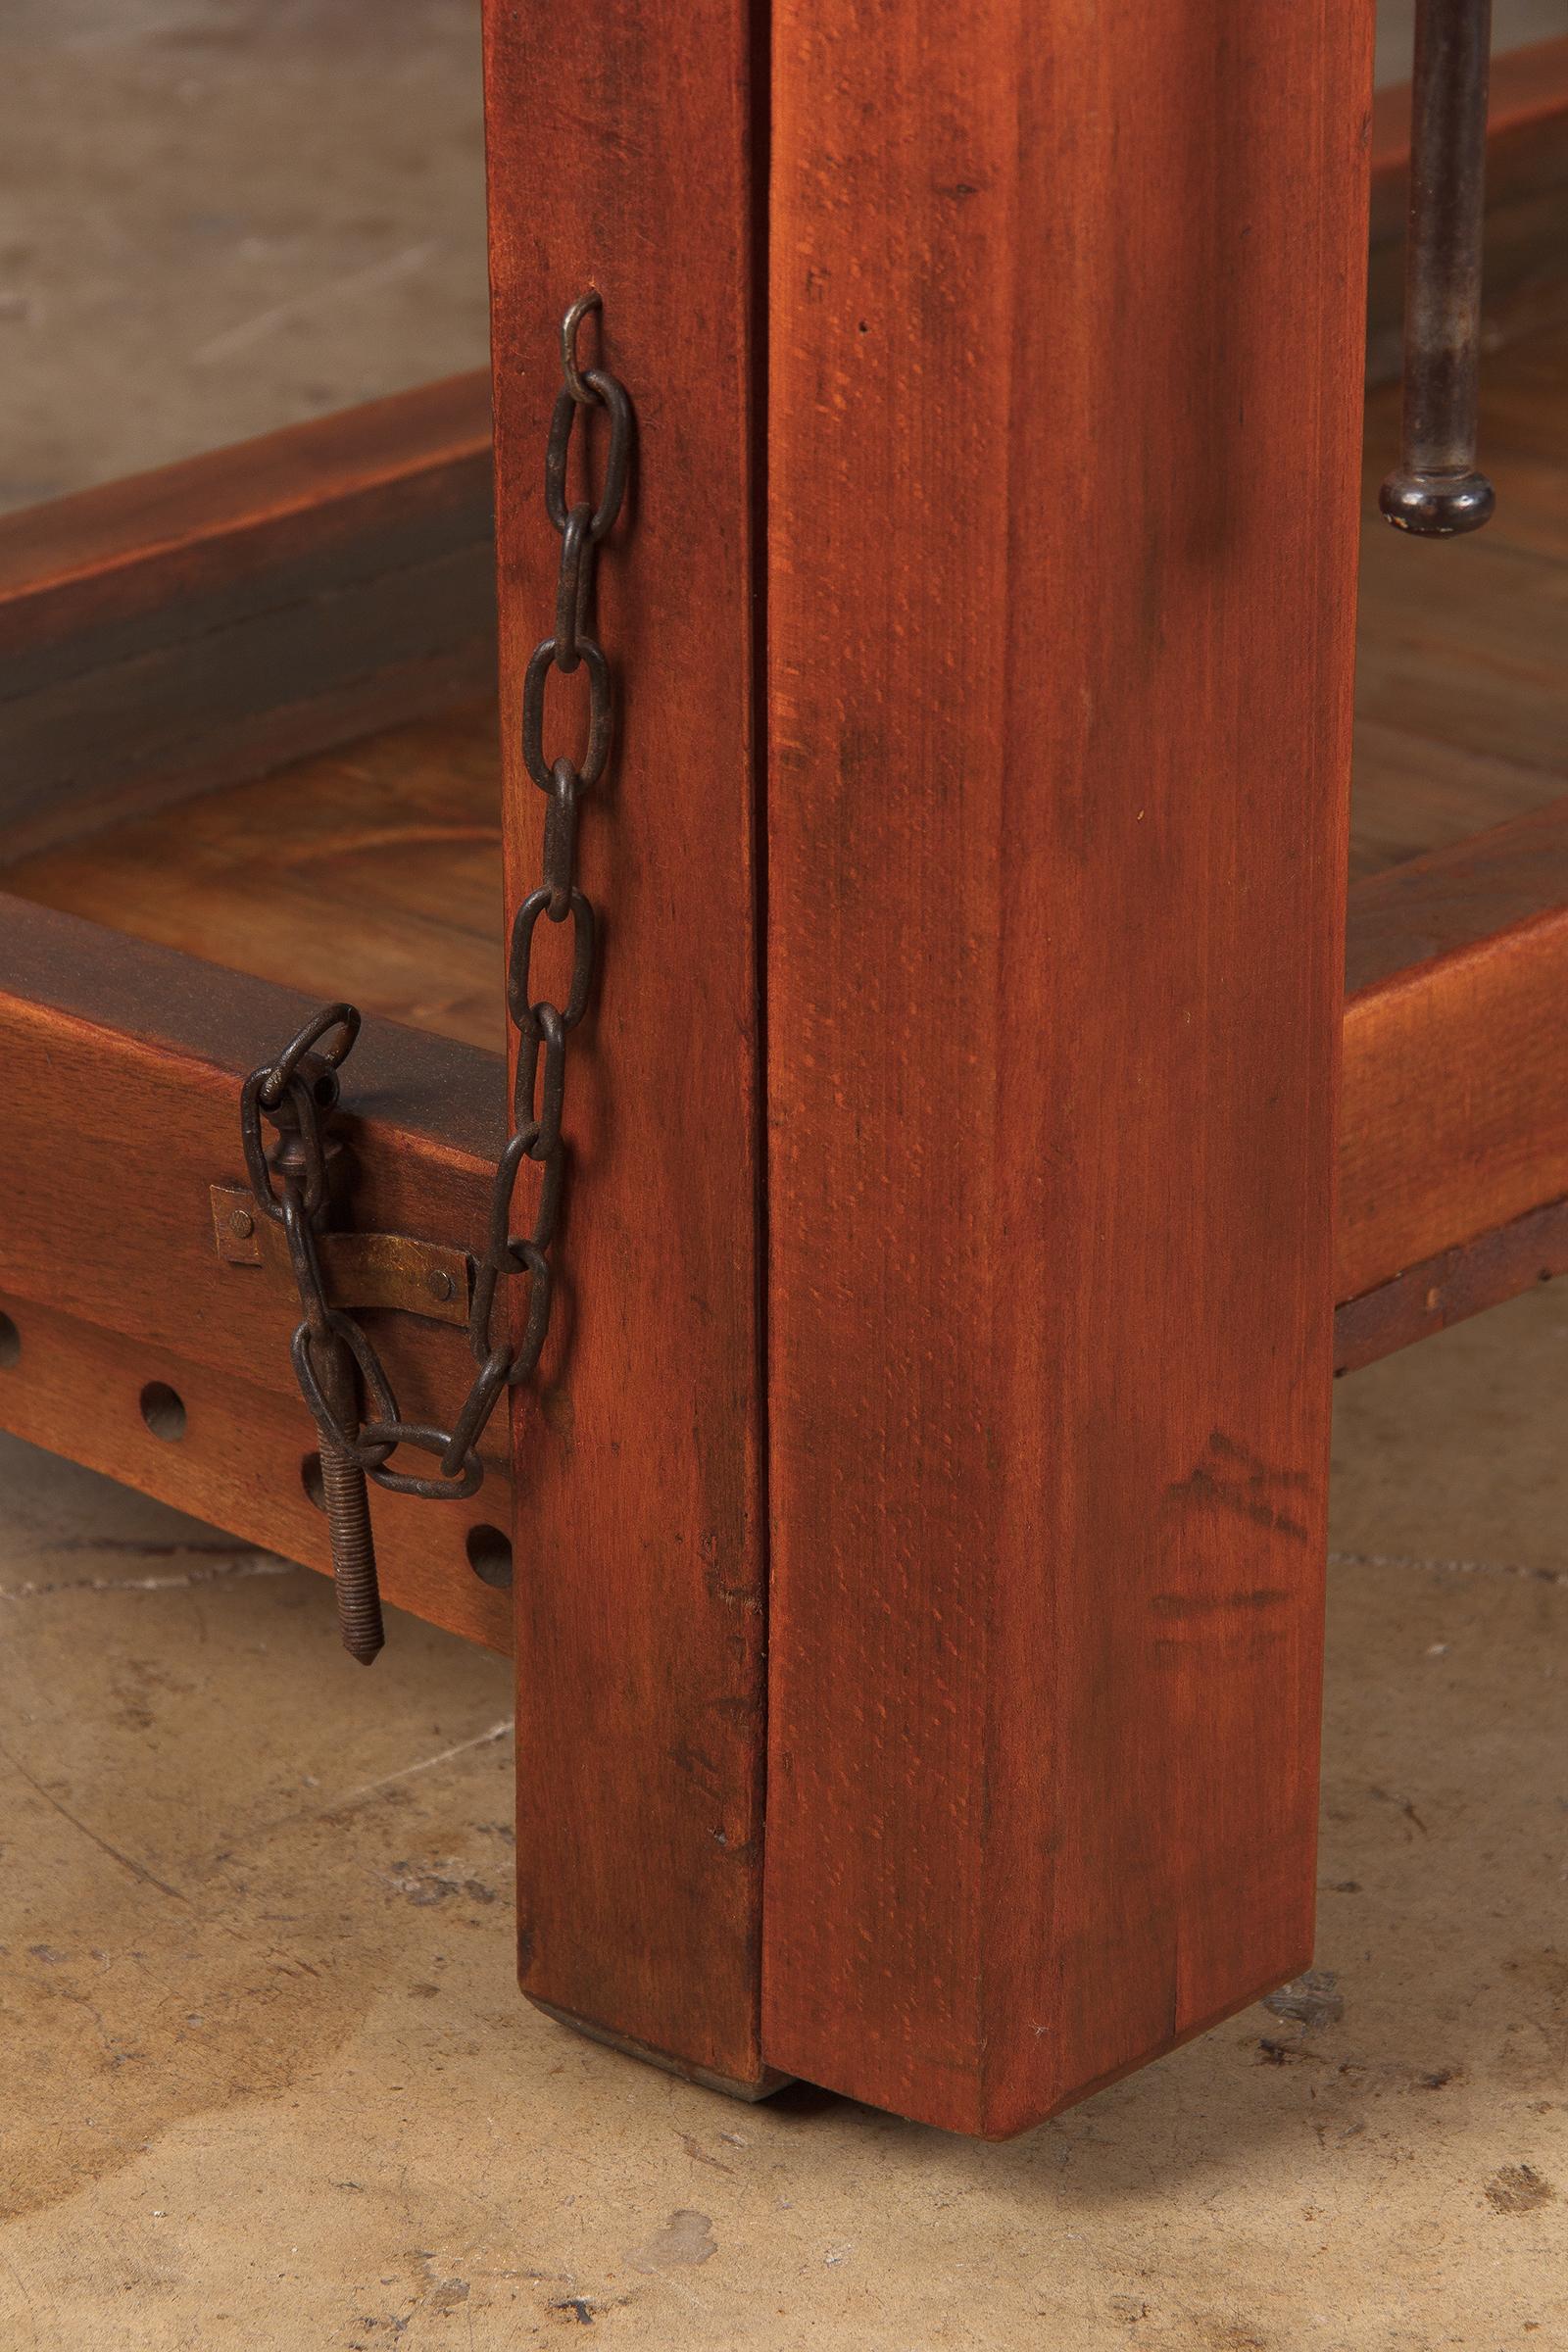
<point>302,1084</point>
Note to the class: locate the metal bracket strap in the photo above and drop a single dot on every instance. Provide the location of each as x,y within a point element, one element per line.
<point>391,1271</point>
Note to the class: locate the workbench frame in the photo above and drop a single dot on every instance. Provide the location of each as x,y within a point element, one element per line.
<point>983,1350</point>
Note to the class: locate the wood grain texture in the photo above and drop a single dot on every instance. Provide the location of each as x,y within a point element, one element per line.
<point>1455,1095</point>
<point>213,619</point>
<point>372,872</point>
<point>640,1625</point>
<point>1453,900</point>
<point>1064,414</point>
<point>120,1074</point>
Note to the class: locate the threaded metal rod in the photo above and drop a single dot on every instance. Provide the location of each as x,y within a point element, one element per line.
<point>348,1513</point>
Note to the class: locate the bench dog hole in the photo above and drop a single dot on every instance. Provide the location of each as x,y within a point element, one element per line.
<point>490,1556</point>
<point>162,1409</point>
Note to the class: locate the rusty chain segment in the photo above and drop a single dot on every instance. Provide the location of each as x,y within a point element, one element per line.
<point>298,1091</point>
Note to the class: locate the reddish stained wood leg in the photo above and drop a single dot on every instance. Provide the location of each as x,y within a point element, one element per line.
<point>1063,485</point>
<point>640,1622</point>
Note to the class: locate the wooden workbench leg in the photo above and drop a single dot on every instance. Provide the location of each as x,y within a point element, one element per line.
<point>621,158</point>
<point>1064,418</point>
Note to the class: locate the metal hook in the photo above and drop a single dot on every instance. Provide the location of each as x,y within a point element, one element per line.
<point>275,1080</point>
<point>580,390</point>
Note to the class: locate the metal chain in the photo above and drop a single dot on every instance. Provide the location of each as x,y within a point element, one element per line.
<point>302,1083</point>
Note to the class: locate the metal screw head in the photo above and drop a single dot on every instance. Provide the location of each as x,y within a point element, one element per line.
<point>438,1284</point>
<point>241,1224</point>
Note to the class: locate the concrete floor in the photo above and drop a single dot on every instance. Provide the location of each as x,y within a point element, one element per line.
<point>267,2082</point>
<point>221,216</point>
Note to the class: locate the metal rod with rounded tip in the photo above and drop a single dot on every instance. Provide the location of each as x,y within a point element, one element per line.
<point>1435,492</point>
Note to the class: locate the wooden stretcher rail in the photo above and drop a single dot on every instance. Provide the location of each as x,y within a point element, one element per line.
<point>205,623</point>
<point>119,1073</point>
<point>1452,1287</point>
<point>120,1070</point>
<point>1454,1110</point>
